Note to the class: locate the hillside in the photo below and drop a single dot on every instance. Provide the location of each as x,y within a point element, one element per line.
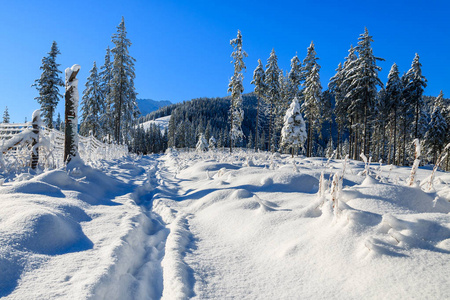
<point>147,106</point>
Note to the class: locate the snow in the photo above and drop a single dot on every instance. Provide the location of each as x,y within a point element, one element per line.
<point>214,225</point>
<point>162,122</point>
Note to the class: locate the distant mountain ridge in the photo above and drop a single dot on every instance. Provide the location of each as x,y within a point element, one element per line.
<point>147,106</point>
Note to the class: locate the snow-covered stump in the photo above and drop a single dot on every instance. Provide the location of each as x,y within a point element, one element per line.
<point>71,111</point>
<point>36,120</point>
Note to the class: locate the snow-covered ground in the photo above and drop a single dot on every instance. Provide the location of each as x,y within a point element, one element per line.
<point>162,122</point>
<point>219,226</point>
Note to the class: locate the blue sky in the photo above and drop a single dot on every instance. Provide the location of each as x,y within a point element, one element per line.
<point>182,48</point>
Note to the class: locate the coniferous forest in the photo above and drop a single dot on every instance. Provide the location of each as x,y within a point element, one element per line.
<point>356,113</point>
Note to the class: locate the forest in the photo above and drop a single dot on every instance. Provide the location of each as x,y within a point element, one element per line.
<point>356,113</point>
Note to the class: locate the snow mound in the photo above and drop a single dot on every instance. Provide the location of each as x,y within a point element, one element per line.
<point>46,232</point>
<point>290,182</point>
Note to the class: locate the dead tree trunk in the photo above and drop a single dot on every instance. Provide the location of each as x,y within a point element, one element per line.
<point>71,108</point>
<point>35,140</point>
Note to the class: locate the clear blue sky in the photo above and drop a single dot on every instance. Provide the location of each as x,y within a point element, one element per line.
<point>182,48</point>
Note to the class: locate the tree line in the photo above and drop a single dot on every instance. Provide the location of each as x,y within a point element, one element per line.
<point>355,114</point>
<point>108,106</point>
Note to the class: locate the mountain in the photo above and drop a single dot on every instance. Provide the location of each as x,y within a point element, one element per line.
<point>146,106</point>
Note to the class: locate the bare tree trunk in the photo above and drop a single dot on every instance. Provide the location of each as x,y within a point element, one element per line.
<point>70,142</point>
<point>35,142</point>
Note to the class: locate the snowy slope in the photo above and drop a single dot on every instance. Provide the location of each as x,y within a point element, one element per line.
<point>162,122</point>
<point>219,226</point>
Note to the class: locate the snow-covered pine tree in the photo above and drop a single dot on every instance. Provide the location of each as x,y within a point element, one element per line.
<point>340,107</point>
<point>58,122</point>
<point>273,95</point>
<point>6,118</point>
<point>293,133</point>
<point>362,79</point>
<point>123,94</point>
<point>48,86</point>
<point>329,151</point>
<point>202,144</point>
<point>236,88</point>
<point>312,90</point>
<point>212,143</point>
<point>285,101</point>
<point>107,118</point>
<point>379,125</point>
<point>92,105</point>
<point>260,90</point>
<point>250,141</point>
<point>295,76</point>
<point>435,137</point>
<point>311,106</point>
<point>393,98</point>
<point>414,86</point>
<point>343,107</point>
<point>326,108</point>
<point>309,62</point>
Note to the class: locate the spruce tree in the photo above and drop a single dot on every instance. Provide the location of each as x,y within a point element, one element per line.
<point>295,76</point>
<point>335,88</point>
<point>273,95</point>
<point>92,105</point>
<point>293,133</point>
<point>311,93</point>
<point>48,86</point>
<point>107,118</point>
<point>6,118</point>
<point>311,106</point>
<point>362,79</point>
<point>393,98</point>
<point>236,88</point>
<point>202,144</point>
<point>260,90</point>
<point>435,137</point>
<point>58,122</point>
<point>414,86</point>
<point>123,94</point>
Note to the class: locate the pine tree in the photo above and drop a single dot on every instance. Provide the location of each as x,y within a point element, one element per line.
<point>379,124</point>
<point>343,107</point>
<point>415,84</point>
<point>340,108</point>
<point>107,118</point>
<point>285,101</point>
<point>202,144</point>
<point>92,105</point>
<point>293,133</point>
<point>312,90</point>
<point>362,78</point>
<point>311,106</point>
<point>260,90</point>
<point>295,76</point>
<point>393,98</point>
<point>329,151</point>
<point>58,122</point>
<point>435,137</point>
<point>236,88</point>
<point>6,118</point>
<point>212,143</point>
<point>273,95</point>
<point>123,95</point>
<point>47,86</point>
<point>327,111</point>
